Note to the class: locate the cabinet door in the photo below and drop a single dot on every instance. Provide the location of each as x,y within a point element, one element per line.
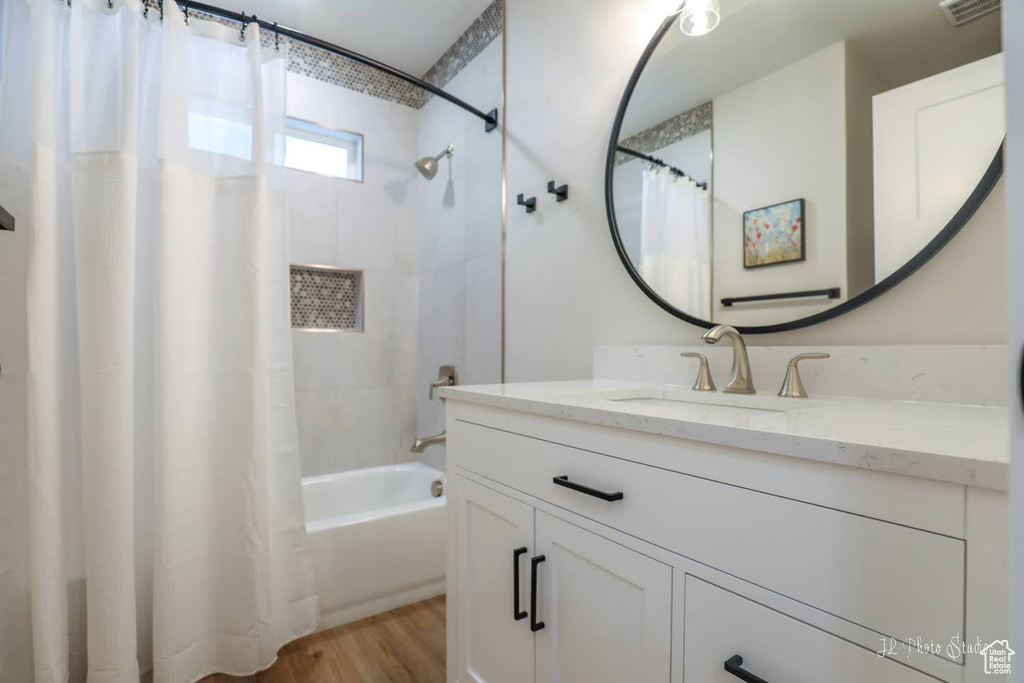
<point>493,646</point>
<point>606,609</point>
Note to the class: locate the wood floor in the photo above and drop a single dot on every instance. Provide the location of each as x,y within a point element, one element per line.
<point>405,645</point>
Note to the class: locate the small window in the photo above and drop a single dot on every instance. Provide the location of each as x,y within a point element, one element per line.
<point>313,148</point>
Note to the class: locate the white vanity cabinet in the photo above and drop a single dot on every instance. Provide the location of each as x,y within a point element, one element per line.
<point>644,558</point>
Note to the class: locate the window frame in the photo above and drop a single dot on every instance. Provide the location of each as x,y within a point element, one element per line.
<point>311,131</point>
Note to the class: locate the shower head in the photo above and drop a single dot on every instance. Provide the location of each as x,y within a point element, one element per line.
<point>427,166</point>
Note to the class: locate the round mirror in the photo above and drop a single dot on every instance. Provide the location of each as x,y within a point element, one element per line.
<point>775,163</point>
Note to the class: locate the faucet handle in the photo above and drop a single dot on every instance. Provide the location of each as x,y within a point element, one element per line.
<point>704,381</point>
<point>793,386</point>
<point>447,377</point>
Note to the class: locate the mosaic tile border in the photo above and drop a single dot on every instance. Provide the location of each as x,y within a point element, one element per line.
<point>481,33</point>
<point>690,122</point>
<point>326,298</point>
<point>328,67</point>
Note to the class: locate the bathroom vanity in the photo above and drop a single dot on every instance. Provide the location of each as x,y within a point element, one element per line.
<point>619,531</point>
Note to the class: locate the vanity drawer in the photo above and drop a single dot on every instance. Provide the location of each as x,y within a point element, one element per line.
<point>719,625</point>
<point>890,578</point>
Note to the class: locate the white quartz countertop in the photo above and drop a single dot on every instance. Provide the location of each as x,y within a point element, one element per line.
<point>962,444</point>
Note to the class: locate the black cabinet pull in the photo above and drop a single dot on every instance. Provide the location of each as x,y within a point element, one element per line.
<point>516,612</point>
<point>534,624</point>
<point>734,665</point>
<point>564,481</point>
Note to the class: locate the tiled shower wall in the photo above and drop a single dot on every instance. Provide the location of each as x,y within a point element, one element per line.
<point>460,242</point>
<point>430,253</point>
<point>354,389</point>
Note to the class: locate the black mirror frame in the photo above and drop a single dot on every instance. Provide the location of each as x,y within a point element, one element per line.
<point>962,216</point>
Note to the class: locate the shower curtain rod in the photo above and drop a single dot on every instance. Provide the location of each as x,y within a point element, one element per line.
<point>490,118</point>
<point>658,162</point>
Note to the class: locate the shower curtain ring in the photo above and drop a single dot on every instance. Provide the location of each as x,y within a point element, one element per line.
<point>186,12</point>
<point>277,39</point>
<point>110,4</point>
<point>160,4</point>
<point>241,35</point>
<point>145,9</point>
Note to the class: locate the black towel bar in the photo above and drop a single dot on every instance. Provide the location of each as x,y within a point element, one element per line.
<point>831,293</point>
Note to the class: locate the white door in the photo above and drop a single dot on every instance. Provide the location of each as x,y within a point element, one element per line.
<point>605,609</point>
<point>494,544</point>
<point>933,140</point>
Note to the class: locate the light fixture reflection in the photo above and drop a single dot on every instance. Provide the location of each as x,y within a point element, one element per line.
<point>699,17</point>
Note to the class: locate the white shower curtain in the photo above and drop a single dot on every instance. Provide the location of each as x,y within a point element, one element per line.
<point>675,241</point>
<point>166,524</point>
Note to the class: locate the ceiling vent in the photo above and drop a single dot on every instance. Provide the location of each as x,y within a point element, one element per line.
<point>959,12</point>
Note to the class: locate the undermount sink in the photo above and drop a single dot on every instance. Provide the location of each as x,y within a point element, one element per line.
<point>700,404</point>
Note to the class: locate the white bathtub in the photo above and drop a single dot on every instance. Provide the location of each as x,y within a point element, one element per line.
<point>377,537</point>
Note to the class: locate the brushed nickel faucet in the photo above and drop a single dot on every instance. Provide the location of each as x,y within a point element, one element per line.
<point>447,376</point>
<point>420,445</point>
<point>793,386</point>
<point>703,381</point>
<point>740,381</point>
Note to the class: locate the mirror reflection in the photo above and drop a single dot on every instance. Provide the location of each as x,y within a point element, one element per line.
<point>803,151</point>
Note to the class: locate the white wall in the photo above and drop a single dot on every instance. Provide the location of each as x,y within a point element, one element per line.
<point>566,289</point>
<point>354,390</point>
<point>779,138</point>
<point>459,216</point>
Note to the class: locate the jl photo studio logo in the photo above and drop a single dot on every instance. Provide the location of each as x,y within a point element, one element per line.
<point>997,656</point>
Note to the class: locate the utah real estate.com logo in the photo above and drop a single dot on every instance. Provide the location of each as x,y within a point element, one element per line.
<point>997,655</point>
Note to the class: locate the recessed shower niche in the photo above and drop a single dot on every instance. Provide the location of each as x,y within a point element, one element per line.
<point>326,298</point>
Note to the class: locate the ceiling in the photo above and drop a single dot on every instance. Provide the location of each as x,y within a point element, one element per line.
<point>899,40</point>
<point>408,34</point>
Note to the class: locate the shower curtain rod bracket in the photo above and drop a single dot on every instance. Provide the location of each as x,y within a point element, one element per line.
<point>490,118</point>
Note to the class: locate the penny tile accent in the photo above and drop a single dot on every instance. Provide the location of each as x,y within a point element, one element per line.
<point>326,299</point>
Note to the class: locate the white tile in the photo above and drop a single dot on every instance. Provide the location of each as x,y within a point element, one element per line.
<point>319,430</point>
<point>365,361</point>
<point>404,412</point>
<point>366,435</point>
<point>312,216</point>
<point>313,100</point>
<point>406,327</point>
<point>365,227</point>
<point>317,359</point>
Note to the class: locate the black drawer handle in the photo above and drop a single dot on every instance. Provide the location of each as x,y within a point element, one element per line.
<point>517,614</point>
<point>734,665</point>
<point>564,481</point>
<point>534,624</point>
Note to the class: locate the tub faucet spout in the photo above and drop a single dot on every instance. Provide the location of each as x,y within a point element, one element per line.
<point>421,445</point>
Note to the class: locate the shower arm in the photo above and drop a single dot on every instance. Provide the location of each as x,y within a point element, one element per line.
<point>490,118</point>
